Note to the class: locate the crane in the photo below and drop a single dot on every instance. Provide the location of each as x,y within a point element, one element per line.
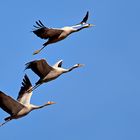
<point>20,107</point>
<point>56,34</point>
<point>46,72</point>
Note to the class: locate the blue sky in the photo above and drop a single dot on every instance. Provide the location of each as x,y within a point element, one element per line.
<point>97,102</point>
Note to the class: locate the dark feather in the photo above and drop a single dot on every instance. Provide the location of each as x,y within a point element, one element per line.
<point>41,23</point>
<point>60,64</point>
<point>9,105</point>
<point>40,67</point>
<point>26,85</point>
<point>38,24</point>
<point>85,18</point>
<point>46,32</point>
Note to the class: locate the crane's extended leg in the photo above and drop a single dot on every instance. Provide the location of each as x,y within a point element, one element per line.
<point>38,51</point>
<point>5,122</point>
<point>33,88</point>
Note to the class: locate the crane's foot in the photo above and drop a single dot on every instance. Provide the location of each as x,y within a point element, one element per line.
<point>3,123</point>
<point>36,52</point>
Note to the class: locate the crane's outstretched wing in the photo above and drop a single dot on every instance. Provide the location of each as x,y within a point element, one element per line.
<point>25,94</point>
<point>58,64</point>
<point>9,105</point>
<point>40,67</point>
<point>45,32</point>
<point>85,18</point>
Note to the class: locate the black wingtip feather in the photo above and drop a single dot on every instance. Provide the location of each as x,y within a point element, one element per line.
<point>28,65</point>
<point>38,24</point>
<point>60,64</point>
<point>41,23</point>
<point>26,82</point>
<point>25,86</point>
<point>85,18</point>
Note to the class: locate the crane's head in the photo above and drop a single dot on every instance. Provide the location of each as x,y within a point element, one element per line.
<point>81,26</point>
<point>87,25</point>
<point>50,103</point>
<point>78,65</point>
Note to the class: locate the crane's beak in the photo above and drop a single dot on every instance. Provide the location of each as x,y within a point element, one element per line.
<point>51,102</point>
<point>81,65</point>
<point>90,25</point>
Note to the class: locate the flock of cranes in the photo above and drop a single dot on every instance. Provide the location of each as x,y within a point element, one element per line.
<point>21,107</point>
